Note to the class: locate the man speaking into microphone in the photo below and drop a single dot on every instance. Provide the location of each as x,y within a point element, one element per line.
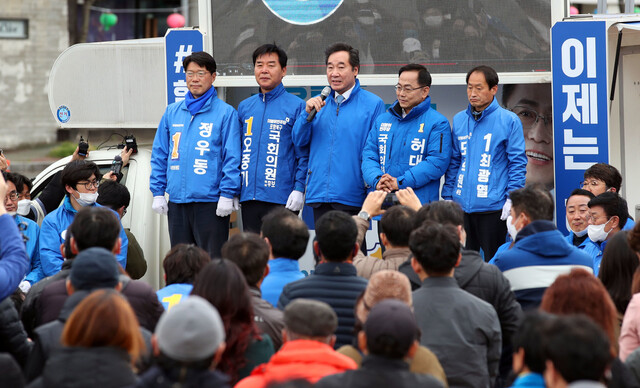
<point>336,135</point>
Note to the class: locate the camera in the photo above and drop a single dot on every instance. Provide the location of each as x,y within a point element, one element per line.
<point>83,147</point>
<point>390,200</point>
<point>130,142</point>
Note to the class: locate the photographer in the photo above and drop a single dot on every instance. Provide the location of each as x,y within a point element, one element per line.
<point>394,228</point>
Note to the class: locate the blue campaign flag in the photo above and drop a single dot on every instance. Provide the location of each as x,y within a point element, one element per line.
<point>580,115</point>
<point>179,44</point>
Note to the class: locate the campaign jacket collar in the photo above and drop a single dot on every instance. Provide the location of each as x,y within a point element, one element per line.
<point>493,106</point>
<point>416,111</point>
<point>273,94</point>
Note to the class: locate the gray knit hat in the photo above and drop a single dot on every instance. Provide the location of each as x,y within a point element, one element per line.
<point>190,331</point>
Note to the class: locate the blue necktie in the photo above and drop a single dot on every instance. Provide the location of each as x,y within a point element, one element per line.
<point>339,99</point>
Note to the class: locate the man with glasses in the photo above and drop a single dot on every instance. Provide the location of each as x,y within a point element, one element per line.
<point>80,180</point>
<point>337,134</point>
<point>29,230</point>
<point>608,213</point>
<point>532,104</point>
<point>410,144</point>
<point>488,161</point>
<point>196,160</point>
<point>601,178</point>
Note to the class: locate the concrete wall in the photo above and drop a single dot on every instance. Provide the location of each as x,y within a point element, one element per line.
<point>24,71</point>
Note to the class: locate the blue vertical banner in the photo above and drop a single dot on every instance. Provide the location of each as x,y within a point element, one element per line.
<point>179,44</point>
<point>580,114</point>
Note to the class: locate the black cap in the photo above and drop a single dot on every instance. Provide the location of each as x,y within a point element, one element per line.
<point>391,323</point>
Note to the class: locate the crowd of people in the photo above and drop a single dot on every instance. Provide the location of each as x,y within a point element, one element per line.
<point>479,289</point>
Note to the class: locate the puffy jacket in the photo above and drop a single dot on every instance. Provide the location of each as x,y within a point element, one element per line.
<point>488,160</point>
<point>15,263</point>
<point>30,313</point>
<point>139,294</point>
<point>197,158</point>
<point>539,255</point>
<point>13,337</point>
<point>272,167</point>
<point>335,284</point>
<point>415,149</point>
<point>31,232</point>
<point>53,232</point>
<point>299,359</point>
<point>336,138</point>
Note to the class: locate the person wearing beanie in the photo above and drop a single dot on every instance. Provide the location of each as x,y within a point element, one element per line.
<point>383,285</point>
<point>188,343</point>
<point>390,336</point>
<point>307,352</point>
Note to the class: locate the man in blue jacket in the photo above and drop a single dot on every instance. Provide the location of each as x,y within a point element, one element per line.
<point>273,168</point>
<point>14,262</point>
<point>337,135</point>
<point>540,252</point>
<point>488,161</point>
<point>196,160</point>
<point>80,180</point>
<point>29,230</point>
<point>607,215</point>
<point>410,144</point>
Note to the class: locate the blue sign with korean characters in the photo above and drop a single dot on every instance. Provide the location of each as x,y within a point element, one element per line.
<point>179,44</point>
<point>580,115</point>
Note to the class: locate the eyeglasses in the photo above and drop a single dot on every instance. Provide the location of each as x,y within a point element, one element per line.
<point>200,74</point>
<point>13,195</point>
<point>90,184</point>
<point>530,117</point>
<point>592,183</point>
<point>399,88</point>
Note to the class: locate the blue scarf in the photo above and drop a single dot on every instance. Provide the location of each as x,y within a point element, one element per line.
<point>195,104</point>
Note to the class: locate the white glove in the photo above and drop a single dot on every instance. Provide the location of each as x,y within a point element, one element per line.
<point>24,205</point>
<point>295,202</point>
<point>236,203</point>
<point>160,205</point>
<point>506,210</point>
<point>225,207</point>
<point>24,286</point>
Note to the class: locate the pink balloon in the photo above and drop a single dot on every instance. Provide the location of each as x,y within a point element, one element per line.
<point>572,11</point>
<point>175,20</point>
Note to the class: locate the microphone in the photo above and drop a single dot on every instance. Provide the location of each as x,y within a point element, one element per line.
<point>116,165</point>
<point>323,95</point>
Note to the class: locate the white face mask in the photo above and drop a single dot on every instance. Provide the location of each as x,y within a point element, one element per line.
<point>86,199</point>
<point>511,228</point>
<point>432,21</point>
<point>24,205</point>
<point>12,213</point>
<point>597,233</point>
<point>580,233</point>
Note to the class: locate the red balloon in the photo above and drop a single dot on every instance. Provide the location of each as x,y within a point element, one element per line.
<point>175,20</point>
